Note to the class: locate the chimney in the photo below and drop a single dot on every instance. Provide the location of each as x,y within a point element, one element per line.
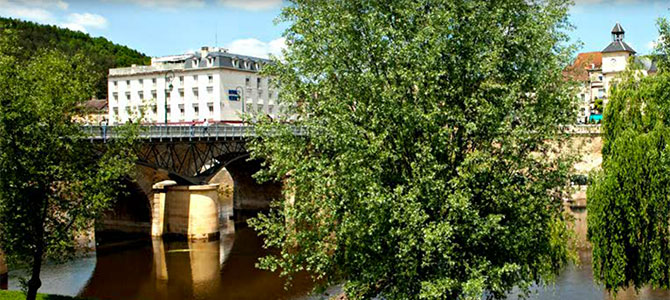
<point>204,51</point>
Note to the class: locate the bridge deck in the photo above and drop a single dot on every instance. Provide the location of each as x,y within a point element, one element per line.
<point>177,132</point>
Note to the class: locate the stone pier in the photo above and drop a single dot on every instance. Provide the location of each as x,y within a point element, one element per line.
<point>186,211</point>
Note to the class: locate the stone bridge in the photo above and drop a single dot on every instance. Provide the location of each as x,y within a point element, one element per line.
<point>206,164</point>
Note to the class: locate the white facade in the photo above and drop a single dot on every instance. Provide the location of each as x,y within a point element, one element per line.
<point>205,86</point>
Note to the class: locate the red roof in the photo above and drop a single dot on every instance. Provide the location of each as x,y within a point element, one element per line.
<point>583,62</point>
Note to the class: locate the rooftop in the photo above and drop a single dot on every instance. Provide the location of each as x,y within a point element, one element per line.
<point>205,58</point>
<point>619,46</point>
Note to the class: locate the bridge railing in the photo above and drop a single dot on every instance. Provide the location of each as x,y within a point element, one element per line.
<point>159,132</point>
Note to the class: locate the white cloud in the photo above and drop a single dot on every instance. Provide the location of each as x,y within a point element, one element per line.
<point>252,4</point>
<point>47,12</point>
<point>164,4</point>
<point>44,3</point>
<point>87,20</point>
<point>74,27</point>
<point>18,10</point>
<point>257,48</point>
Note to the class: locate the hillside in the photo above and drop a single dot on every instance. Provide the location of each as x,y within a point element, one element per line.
<point>102,52</point>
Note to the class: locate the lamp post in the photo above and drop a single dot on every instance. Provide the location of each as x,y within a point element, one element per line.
<point>169,77</point>
<point>240,93</point>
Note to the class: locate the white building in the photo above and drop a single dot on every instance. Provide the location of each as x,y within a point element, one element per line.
<point>599,71</point>
<point>211,84</point>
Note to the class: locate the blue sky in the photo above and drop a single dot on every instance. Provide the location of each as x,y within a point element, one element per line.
<point>163,27</point>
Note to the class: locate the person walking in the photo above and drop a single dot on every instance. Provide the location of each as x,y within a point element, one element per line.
<point>206,126</point>
<point>103,128</point>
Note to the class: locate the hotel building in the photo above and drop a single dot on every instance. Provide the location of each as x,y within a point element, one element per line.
<point>210,84</point>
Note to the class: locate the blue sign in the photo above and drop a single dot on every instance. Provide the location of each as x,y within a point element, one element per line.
<point>232,92</point>
<point>233,97</point>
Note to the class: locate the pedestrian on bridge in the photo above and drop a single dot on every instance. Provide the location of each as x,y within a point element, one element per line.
<point>206,125</point>
<point>103,128</point>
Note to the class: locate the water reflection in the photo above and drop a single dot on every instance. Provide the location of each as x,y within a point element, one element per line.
<point>190,270</point>
<point>576,282</point>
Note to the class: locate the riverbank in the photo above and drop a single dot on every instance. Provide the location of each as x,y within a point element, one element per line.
<point>17,295</point>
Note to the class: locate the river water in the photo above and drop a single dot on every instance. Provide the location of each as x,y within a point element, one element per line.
<point>225,270</point>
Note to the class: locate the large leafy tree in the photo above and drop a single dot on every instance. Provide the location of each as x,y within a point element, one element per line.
<point>430,164</point>
<point>53,181</point>
<point>628,204</point>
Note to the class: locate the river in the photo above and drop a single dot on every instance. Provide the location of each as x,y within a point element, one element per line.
<point>225,270</point>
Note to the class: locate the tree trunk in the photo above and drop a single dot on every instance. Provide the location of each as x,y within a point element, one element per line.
<point>35,283</point>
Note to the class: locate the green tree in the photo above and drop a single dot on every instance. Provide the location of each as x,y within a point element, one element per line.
<point>628,204</point>
<point>430,167</point>
<point>598,105</point>
<point>103,54</point>
<point>53,182</point>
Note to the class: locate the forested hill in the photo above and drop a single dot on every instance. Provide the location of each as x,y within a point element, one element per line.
<point>103,53</point>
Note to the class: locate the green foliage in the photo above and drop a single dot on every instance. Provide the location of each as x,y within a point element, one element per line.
<point>432,164</point>
<point>31,38</point>
<point>53,181</point>
<point>598,105</point>
<point>16,295</point>
<point>628,204</point>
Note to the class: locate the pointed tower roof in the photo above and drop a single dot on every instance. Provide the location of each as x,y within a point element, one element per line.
<point>618,45</point>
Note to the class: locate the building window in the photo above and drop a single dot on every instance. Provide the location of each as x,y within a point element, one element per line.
<point>195,91</point>
<point>114,83</point>
<point>601,93</point>
<point>153,81</point>
<point>258,83</point>
<point>260,94</point>
<point>141,81</point>
<point>210,79</point>
<point>127,95</point>
<point>116,111</point>
<point>127,82</point>
<point>115,96</point>
<point>211,109</point>
<point>128,109</point>
<point>196,110</point>
<point>181,93</point>
<point>168,111</point>
<point>600,77</point>
<point>247,81</point>
<point>140,94</point>
<point>181,80</point>
<point>153,95</point>
<point>154,111</point>
<point>181,110</point>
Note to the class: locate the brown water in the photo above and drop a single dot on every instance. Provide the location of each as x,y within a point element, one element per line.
<point>225,270</point>
<point>173,270</point>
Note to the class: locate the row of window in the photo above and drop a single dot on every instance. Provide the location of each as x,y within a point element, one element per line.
<point>210,80</point>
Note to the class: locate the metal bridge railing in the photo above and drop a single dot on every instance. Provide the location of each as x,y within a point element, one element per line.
<point>160,132</point>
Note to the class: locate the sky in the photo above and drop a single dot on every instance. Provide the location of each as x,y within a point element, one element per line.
<point>166,27</point>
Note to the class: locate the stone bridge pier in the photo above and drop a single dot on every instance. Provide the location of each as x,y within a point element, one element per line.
<point>160,202</point>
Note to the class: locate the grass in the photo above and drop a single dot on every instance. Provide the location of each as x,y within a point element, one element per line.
<point>18,295</point>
